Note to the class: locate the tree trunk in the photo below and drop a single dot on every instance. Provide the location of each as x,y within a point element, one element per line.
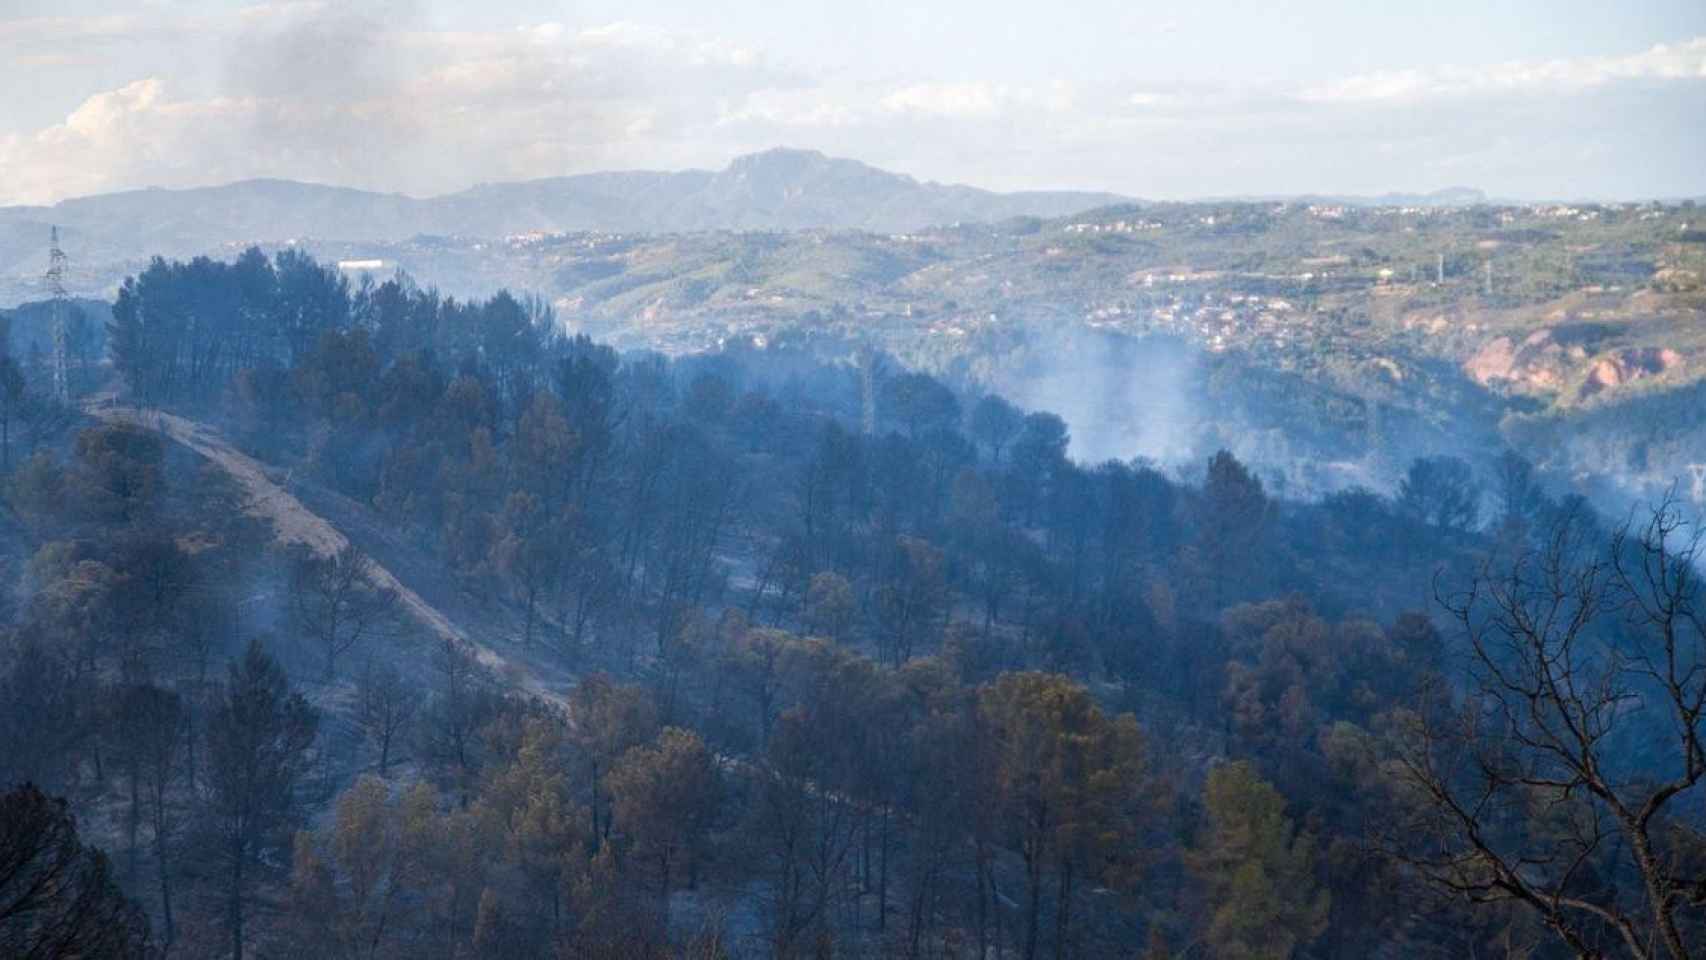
<point>189,733</point>
<point>915,923</point>
<point>1664,916</point>
<point>663,906</point>
<point>236,905</point>
<point>168,932</point>
<point>1033,876</point>
<point>133,823</point>
<point>596,832</point>
<point>865,854</point>
<point>527,636</point>
<point>883,875</point>
<point>1063,913</point>
<point>982,901</point>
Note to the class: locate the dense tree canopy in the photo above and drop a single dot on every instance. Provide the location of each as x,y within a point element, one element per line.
<point>634,656</point>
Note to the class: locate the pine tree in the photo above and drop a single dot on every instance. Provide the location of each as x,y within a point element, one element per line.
<point>257,744</point>
<point>1259,874</point>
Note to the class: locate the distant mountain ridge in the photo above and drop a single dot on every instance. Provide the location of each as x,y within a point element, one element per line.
<point>780,189</point>
<point>1448,197</point>
<point>109,235</point>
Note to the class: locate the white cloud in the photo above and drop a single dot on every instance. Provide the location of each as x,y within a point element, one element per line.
<point>39,30</point>
<point>258,13</point>
<point>947,99</point>
<point>114,138</point>
<point>697,51</point>
<point>545,32</point>
<point>334,96</point>
<point>1681,61</point>
<point>348,93</point>
<point>975,100</point>
<point>799,107</point>
<point>102,115</point>
<point>63,58</point>
<point>1154,98</point>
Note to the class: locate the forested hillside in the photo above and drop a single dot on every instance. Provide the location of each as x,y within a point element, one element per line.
<point>1325,344</point>
<point>420,628</point>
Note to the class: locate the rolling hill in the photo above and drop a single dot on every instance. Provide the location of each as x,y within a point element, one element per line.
<point>778,189</point>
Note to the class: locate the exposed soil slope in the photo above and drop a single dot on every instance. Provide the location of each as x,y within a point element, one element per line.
<point>293,522</point>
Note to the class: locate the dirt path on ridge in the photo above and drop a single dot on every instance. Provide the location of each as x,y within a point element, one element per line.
<point>293,522</point>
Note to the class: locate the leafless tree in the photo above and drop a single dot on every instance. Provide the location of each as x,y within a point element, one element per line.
<point>335,601</point>
<point>1565,776</point>
<point>462,701</point>
<point>57,895</point>
<point>157,721</point>
<point>258,739</point>
<point>384,706</point>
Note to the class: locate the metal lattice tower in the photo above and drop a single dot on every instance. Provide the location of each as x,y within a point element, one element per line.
<point>55,278</point>
<point>868,390</point>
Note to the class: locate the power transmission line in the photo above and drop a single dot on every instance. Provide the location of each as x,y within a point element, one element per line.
<point>55,278</point>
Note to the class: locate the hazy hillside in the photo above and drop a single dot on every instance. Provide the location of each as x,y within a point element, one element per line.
<point>494,598</point>
<point>1448,197</point>
<point>1345,338</point>
<point>777,189</point>
<point>1452,316</point>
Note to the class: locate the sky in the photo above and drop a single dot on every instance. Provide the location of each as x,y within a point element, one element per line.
<point>1525,99</point>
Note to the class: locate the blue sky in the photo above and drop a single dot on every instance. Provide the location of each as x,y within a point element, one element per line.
<point>1531,100</point>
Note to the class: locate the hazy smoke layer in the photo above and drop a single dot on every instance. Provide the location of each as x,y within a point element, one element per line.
<point>1122,398</point>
